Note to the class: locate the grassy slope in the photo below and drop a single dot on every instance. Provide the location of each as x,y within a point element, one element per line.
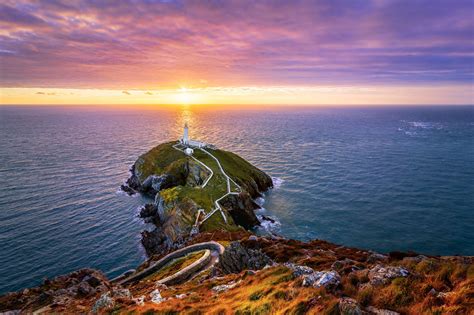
<point>276,291</point>
<point>236,167</point>
<point>157,160</point>
<point>165,159</point>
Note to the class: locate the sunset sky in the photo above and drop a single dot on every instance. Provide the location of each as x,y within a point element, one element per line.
<point>237,52</point>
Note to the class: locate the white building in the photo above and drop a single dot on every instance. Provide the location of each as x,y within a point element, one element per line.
<point>189,142</point>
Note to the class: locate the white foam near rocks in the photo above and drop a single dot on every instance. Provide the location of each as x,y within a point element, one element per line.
<point>277,181</point>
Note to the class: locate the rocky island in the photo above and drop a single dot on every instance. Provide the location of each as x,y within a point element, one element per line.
<point>205,259</point>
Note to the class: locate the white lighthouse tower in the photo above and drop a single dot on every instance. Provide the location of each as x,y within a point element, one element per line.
<point>185,134</point>
<point>189,143</point>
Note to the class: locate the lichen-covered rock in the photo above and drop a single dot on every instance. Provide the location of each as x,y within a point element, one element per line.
<point>237,258</point>
<point>299,270</point>
<point>327,279</point>
<point>348,306</point>
<point>105,302</point>
<point>156,297</point>
<point>379,274</point>
<point>377,311</point>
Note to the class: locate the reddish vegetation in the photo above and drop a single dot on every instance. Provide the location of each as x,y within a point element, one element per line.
<point>434,285</point>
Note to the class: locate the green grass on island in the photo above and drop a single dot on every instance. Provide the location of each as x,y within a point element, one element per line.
<point>175,265</point>
<point>166,159</point>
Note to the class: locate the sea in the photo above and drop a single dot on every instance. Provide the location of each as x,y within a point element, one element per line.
<point>382,178</point>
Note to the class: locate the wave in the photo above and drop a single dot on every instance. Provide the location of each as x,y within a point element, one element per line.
<point>120,192</point>
<point>277,181</point>
<point>425,125</point>
<point>268,224</point>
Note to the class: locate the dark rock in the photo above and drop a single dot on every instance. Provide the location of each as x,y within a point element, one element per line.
<point>127,189</point>
<point>149,210</point>
<point>237,258</point>
<point>242,209</point>
<point>154,241</point>
<point>93,280</point>
<point>84,289</point>
<point>264,217</point>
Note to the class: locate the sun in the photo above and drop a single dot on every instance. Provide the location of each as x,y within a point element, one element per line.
<point>184,96</point>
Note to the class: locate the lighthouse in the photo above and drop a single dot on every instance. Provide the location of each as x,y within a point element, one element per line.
<point>185,134</point>
<point>190,143</point>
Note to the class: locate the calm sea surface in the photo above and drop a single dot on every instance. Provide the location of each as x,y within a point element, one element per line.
<point>385,179</point>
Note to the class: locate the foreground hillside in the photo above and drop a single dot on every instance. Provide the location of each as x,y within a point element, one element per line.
<point>258,275</point>
<point>204,258</point>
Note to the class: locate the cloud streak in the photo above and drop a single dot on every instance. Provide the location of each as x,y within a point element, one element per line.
<point>145,44</point>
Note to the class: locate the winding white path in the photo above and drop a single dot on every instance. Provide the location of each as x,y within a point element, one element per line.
<point>216,202</point>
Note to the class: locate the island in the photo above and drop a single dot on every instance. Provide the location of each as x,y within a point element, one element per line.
<point>204,256</point>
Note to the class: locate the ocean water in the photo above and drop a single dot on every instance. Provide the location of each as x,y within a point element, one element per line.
<point>380,178</point>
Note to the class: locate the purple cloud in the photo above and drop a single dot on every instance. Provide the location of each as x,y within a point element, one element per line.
<point>147,43</point>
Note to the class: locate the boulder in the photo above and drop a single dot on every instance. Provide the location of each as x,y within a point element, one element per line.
<point>299,270</point>
<point>380,275</point>
<point>348,306</point>
<point>237,258</point>
<point>326,279</point>
<point>377,311</point>
<point>105,302</point>
<point>84,289</point>
<point>156,297</point>
<point>121,293</point>
<point>376,257</point>
<point>154,241</point>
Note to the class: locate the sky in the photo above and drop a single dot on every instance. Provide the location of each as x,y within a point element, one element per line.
<point>237,52</point>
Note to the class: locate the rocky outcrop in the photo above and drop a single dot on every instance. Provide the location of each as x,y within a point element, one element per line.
<point>348,306</point>
<point>237,258</point>
<point>242,209</point>
<point>380,274</point>
<point>59,292</point>
<point>149,213</point>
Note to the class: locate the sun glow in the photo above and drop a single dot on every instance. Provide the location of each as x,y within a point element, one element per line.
<point>241,95</point>
<point>185,97</point>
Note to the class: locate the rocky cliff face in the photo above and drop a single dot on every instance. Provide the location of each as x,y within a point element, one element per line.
<point>175,182</point>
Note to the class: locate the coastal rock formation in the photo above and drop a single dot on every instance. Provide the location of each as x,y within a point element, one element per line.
<point>242,209</point>
<point>61,292</point>
<point>186,188</point>
<point>237,258</point>
<point>381,274</point>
